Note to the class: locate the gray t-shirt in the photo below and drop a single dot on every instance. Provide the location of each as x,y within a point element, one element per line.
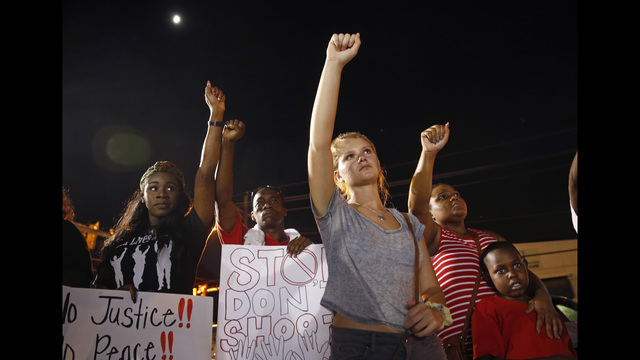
<point>370,269</point>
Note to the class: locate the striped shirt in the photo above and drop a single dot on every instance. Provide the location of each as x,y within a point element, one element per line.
<point>456,265</point>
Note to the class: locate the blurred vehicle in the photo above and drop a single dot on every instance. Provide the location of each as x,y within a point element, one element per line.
<point>568,310</point>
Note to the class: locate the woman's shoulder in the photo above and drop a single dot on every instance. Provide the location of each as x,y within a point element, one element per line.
<point>415,222</point>
<point>336,201</point>
<point>487,233</point>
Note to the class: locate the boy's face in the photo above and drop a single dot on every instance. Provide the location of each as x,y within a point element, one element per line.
<point>508,272</point>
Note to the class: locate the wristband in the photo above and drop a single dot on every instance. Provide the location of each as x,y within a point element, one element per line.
<point>443,311</point>
<point>216,123</point>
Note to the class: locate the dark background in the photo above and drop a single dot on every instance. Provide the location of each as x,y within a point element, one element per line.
<point>503,73</point>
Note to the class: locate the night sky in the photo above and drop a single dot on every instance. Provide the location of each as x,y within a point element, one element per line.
<point>503,73</point>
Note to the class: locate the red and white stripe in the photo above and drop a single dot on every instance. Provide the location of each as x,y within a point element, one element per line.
<point>456,266</point>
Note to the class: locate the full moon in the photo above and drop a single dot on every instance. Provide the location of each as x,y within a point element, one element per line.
<point>176,19</point>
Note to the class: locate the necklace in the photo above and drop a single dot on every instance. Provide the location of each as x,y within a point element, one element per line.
<point>373,211</point>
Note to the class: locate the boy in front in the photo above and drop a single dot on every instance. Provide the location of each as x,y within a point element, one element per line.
<point>500,327</point>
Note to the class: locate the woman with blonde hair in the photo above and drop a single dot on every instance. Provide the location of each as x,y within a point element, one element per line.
<point>370,248</point>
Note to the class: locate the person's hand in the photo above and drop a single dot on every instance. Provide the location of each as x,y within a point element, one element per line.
<point>435,138</point>
<point>214,98</point>
<point>233,130</point>
<point>274,350</point>
<point>547,315</point>
<point>245,350</point>
<point>309,346</point>
<point>343,47</point>
<point>296,246</point>
<point>421,319</point>
<point>131,289</point>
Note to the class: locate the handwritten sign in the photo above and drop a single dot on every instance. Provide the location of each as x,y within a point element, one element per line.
<point>269,305</point>
<point>106,324</point>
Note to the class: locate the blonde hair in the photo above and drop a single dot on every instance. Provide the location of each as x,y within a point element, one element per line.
<point>336,152</point>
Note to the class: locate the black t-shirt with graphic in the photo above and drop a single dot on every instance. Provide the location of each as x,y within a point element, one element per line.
<point>162,262</point>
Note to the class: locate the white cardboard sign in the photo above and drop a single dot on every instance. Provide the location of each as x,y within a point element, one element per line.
<point>269,305</point>
<point>105,324</point>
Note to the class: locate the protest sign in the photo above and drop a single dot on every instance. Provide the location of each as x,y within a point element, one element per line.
<point>269,306</point>
<point>106,324</point>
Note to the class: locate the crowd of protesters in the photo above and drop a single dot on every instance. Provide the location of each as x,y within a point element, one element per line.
<point>159,239</point>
